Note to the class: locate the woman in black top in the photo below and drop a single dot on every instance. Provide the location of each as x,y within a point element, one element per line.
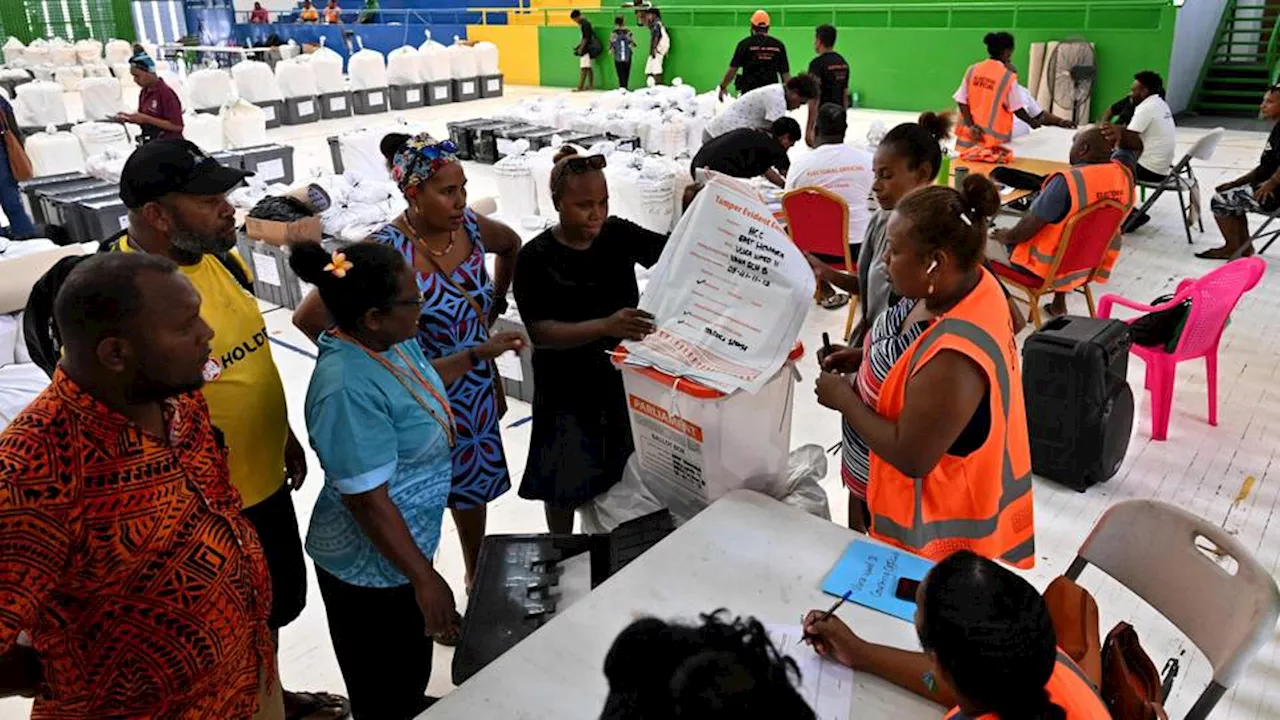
<point>576,292</point>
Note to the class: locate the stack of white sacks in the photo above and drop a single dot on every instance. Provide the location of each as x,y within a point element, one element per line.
<point>68,64</point>
<point>646,186</point>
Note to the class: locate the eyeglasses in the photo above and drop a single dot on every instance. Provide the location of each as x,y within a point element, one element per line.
<point>418,301</point>
<point>578,164</point>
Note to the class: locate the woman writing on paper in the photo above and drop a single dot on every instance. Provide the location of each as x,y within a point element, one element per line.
<point>990,652</point>
<point>945,424</point>
<point>576,292</point>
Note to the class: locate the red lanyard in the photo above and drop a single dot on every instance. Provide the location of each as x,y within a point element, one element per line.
<point>408,379</point>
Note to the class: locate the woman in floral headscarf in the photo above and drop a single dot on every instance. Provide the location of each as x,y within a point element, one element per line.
<point>445,243</point>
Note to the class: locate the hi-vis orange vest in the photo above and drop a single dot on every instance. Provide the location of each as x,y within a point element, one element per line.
<point>989,83</point>
<point>980,502</point>
<point>1069,689</point>
<point>1087,184</point>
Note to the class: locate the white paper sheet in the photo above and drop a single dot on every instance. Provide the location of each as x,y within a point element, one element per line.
<point>827,686</point>
<point>265,269</point>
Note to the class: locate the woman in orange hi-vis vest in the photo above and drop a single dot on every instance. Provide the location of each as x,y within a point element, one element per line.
<point>990,651</point>
<point>950,460</point>
<point>988,102</point>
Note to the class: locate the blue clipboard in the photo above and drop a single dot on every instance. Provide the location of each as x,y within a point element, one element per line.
<point>870,573</point>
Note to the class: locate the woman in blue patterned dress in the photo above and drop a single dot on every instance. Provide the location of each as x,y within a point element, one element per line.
<point>445,243</point>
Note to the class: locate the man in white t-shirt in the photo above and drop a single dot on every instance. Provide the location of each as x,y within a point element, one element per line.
<point>1153,120</point>
<point>760,107</point>
<point>841,169</point>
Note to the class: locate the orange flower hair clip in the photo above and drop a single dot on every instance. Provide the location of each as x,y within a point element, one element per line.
<point>339,265</point>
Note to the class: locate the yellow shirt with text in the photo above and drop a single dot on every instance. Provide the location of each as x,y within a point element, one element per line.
<point>242,385</point>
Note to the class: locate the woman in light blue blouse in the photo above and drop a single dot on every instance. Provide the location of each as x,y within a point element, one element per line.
<point>380,421</point>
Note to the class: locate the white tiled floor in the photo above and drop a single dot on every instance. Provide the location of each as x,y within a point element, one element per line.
<point>1204,469</point>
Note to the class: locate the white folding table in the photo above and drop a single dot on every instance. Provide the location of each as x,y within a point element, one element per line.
<point>747,553</point>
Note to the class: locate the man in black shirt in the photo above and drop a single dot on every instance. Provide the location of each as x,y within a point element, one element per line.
<point>1258,191</point>
<point>761,57</point>
<point>832,72</point>
<point>750,152</point>
<point>588,49</point>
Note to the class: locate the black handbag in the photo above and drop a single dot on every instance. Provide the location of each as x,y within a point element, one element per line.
<point>1162,328</point>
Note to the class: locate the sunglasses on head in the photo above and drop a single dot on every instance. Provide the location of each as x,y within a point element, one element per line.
<point>582,163</point>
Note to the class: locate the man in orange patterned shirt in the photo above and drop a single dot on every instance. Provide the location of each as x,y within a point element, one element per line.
<point>123,552</point>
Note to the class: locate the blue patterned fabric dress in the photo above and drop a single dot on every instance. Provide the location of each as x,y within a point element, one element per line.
<point>449,325</point>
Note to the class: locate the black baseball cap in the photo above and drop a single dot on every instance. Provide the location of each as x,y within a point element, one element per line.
<point>161,167</point>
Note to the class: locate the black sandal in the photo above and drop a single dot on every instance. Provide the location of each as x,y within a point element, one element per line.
<point>317,706</point>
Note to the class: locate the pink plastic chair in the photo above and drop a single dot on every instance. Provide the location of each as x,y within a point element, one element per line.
<point>1213,297</point>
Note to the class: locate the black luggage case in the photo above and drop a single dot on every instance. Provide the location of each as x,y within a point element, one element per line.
<point>1079,405</point>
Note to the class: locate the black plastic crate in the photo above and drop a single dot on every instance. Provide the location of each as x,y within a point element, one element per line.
<point>460,134</point>
<point>273,110</point>
<point>439,92</point>
<point>466,89</point>
<point>491,86</point>
<point>334,105</point>
<point>31,187</point>
<point>406,97</point>
<point>301,110</point>
<point>369,102</point>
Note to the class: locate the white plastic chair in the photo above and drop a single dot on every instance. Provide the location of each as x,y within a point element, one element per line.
<point>1182,178</point>
<point>1150,548</point>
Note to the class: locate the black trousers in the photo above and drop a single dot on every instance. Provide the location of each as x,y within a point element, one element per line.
<point>624,73</point>
<point>382,646</point>
<point>277,527</point>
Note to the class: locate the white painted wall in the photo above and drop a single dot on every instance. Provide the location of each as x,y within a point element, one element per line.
<point>1192,35</point>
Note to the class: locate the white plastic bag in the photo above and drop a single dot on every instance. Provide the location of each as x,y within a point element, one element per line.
<point>204,130</point>
<point>627,500</point>
<point>53,152</point>
<point>69,76</point>
<point>367,70</point>
<point>326,65</point>
<point>296,78</point>
<point>37,53</point>
<point>462,60</point>
<point>118,51</point>
<point>361,154</point>
<point>255,82</point>
<point>88,51</point>
<point>806,467</point>
<point>14,51</point>
<point>107,165</point>
<point>243,125</point>
<point>98,137</point>
<point>209,88</point>
<point>62,54</point>
<point>516,190</point>
<point>404,66</point>
<point>40,103</point>
<point>487,58</point>
<point>101,98</point>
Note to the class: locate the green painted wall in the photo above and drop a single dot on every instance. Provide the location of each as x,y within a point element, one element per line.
<point>105,19</point>
<point>902,57</point>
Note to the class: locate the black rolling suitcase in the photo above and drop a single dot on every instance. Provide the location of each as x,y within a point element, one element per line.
<point>1079,405</point>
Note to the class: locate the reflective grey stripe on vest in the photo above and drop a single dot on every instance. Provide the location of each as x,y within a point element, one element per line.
<point>1012,488</point>
<point>1071,665</point>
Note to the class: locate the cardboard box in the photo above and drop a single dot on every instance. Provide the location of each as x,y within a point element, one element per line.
<point>284,233</point>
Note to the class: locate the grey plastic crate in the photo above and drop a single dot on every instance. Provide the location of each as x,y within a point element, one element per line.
<point>30,187</point>
<point>74,217</point>
<point>460,134</point>
<point>51,200</point>
<point>516,370</point>
<point>271,163</point>
<point>334,105</point>
<point>104,217</point>
<point>624,142</point>
<point>466,89</point>
<point>407,97</point>
<point>230,158</point>
<point>273,279</point>
<point>369,102</point>
<point>210,110</point>
<point>274,112</point>
<point>491,86</point>
<point>484,140</point>
<point>510,134</point>
<point>301,110</point>
<point>439,92</point>
<point>542,138</point>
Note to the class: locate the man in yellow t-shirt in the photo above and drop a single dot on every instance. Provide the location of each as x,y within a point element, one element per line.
<point>176,196</point>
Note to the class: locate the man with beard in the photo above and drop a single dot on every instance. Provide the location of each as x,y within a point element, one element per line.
<point>176,196</point>
<point>125,554</point>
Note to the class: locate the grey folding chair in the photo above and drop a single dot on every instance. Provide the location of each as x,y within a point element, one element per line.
<point>1151,548</point>
<point>1262,233</point>
<point>1182,178</point>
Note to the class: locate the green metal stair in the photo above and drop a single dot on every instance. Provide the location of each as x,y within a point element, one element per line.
<point>1242,61</point>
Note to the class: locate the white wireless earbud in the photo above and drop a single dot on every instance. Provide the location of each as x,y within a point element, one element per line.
<point>932,266</point>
